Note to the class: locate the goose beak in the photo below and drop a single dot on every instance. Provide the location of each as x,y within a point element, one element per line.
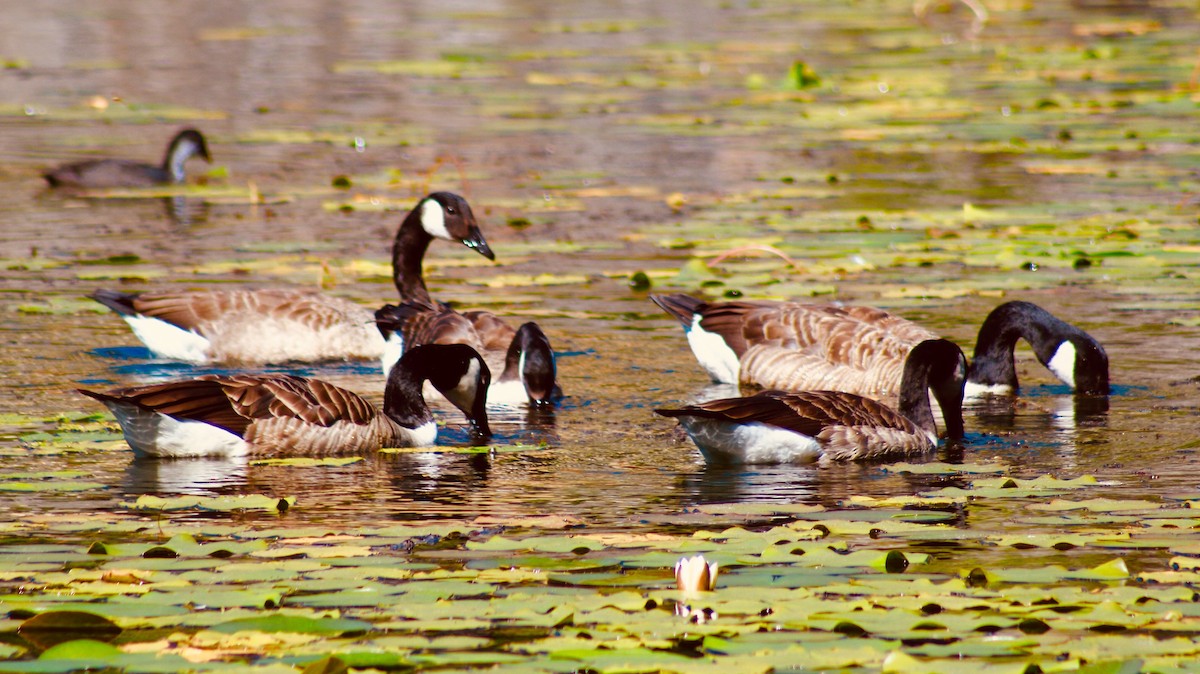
<point>476,242</point>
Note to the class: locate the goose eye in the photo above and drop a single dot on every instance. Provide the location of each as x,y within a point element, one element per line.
<point>450,210</point>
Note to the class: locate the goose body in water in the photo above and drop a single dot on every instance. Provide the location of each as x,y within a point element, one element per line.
<point>523,357</point>
<point>792,346</point>
<point>111,173</point>
<point>282,415</point>
<point>290,325</point>
<point>824,426</point>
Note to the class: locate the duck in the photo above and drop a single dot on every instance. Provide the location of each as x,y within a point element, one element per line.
<point>776,426</point>
<point>110,173</point>
<point>793,346</point>
<point>282,415</point>
<point>523,356</point>
<point>273,325</point>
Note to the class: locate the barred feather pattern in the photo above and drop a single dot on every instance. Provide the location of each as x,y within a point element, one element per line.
<point>813,347</point>
<point>272,325</point>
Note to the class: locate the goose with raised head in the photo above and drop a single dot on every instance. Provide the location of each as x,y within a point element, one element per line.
<point>110,173</point>
<point>284,415</point>
<point>523,356</point>
<point>291,325</point>
<point>823,426</point>
<point>793,346</point>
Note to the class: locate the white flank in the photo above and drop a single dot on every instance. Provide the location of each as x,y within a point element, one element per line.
<point>973,390</point>
<point>433,220</point>
<point>727,442</point>
<point>158,435</point>
<point>1063,363</point>
<point>713,353</point>
<point>393,348</point>
<point>169,341</point>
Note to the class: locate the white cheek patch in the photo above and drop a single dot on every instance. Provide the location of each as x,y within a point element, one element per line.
<point>433,220</point>
<point>169,341</point>
<point>1063,363</point>
<point>713,353</point>
<point>464,392</point>
<point>393,348</point>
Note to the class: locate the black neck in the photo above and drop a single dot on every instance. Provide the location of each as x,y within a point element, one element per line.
<point>939,366</point>
<point>402,399</point>
<point>408,251</point>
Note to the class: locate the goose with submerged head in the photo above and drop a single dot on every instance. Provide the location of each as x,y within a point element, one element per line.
<point>284,415</point>
<point>109,173</point>
<point>525,362</point>
<point>290,325</point>
<point>825,426</point>
<point>792,346</point>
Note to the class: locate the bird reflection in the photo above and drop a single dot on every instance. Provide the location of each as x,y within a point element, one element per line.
<point>194,476</point>
<point>184,211</point>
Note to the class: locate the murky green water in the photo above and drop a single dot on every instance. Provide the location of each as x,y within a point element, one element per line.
<point>926,173</point>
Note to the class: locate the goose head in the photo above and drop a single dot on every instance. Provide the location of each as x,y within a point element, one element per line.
<point>940,367</point>
<point>530,354</point>
<point>448,216</point>
<point>458,372</point>
<point>186,144</point>
<point>1072,355</point>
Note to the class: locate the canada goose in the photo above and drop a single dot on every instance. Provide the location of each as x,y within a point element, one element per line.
<point>283,415</point>
<point>792,346</point>
<point>806,426</point>
<point>105,173</point>
<point>281,325</point>
<point>522,356</point>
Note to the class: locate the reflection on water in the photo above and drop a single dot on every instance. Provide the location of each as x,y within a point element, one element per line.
<point>199,477</point>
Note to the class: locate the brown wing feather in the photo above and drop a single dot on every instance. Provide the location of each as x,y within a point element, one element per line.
<point>422,323</point>
<point>807,412</point>
<point>286,396</point>
<point>196,310</point>
<point>494,334</point>
<point>816,346</point>
<point>203,399</point>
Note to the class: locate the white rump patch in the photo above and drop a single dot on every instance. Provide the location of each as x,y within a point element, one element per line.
<point>973,390</point>
<point>433,220</point>
<point>158,435</point>
<point>1063,363</point>
<point>713,353</point>
<point>393,348</point>
<point>169,341</point>
<point>727,442</point>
